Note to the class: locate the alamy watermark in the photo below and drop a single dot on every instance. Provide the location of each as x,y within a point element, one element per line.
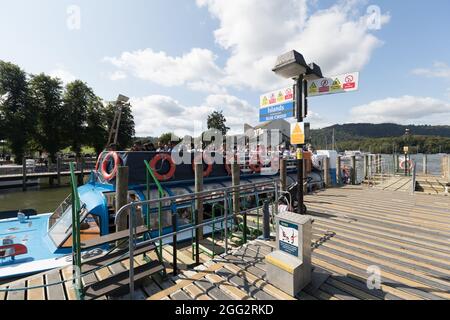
<point>73,21</point>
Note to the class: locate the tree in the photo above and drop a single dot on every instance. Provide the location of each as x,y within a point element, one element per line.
<point>46,98</point>
<point>77,99</point>
<point>97,126</point>
<point>165,138</point>
<point>18,117</point>
<point>126,128</point>
<point>216,120</point>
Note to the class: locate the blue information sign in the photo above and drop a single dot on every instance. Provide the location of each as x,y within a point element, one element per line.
<point>288,238</point>
<point>278,111</point>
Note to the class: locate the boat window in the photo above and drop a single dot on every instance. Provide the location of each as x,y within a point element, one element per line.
<point>62,228</point>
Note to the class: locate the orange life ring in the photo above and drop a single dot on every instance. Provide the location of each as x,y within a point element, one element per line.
<point>110,175</point>
<point>163,157</point>
<point>402,164</point>
<point>209,169</point>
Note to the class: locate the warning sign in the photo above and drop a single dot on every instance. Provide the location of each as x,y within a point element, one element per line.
<point>277,104</point>
<point>313,88</point>
<point>336,86</point>
<point>298,133</point>
<point>342,83</point>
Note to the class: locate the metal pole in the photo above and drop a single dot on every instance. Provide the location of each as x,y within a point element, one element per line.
<point>225,204</point>
<point>406,164</point>
<point>353,172</point>
<point>174,243</point>
<point>58,169</point>
<point>197,243</point>
<point>283,174</point>
<point>199,188</point>
<point>299,113</point>
<point>131,250</point>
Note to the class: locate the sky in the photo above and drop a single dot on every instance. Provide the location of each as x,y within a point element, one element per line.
<point>179,60</point>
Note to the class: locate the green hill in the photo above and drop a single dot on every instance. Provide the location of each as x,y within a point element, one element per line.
<point>386,137</point>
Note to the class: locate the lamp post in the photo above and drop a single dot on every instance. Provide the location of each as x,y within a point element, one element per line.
<point>292,65</point>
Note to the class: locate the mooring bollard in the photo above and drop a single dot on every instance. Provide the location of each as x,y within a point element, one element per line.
<point>425,164</point>
<point>266,221</point>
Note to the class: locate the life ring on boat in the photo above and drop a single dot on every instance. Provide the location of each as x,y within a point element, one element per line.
<point>97,164</point>
<point>208,159</point>
<point>110,175</point>
<point>229,159</point>
<point>163,157</point>
<point>410,164</point>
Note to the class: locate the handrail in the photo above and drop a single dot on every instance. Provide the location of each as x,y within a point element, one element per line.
<point>76,237</point>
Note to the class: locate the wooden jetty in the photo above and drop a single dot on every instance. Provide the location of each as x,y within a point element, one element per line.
<point>355,230</point>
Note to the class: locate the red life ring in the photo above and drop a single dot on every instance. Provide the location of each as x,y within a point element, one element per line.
<point>205,156</point>
<point>97,164</point>
<point>110,175</point>
<point>232,157</point>
<point>410,163</point>
<point>163,157</point>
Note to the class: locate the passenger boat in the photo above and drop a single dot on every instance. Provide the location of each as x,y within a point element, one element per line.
<point>44,241</point>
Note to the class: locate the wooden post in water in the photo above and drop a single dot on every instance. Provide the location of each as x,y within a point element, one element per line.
<point>199,201</point>
<point>326,172</point>
<point>122,196</point>
<point>24,174</point>
<point>58,169</point>
<point>353,171</point>
<point>283,174</point>
<point>425,164</point>
<point>338,170</point>
<point>235,182</point>
<point>81,175</point>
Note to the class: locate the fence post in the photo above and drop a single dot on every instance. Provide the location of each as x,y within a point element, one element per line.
<point>283,174</point>
<point>199,200</point>
<point>366,166</point>
<point>58,169</point>
<point>353,171</point>
<point>338,170</point>
<point>24,174</point>
<point>266,221</point>
<point>326,172</point>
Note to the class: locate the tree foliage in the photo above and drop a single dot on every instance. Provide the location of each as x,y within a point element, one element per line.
<point>77,99</point>
<point>18,117</point>
<point>46,97</point>
<point>216,120</point>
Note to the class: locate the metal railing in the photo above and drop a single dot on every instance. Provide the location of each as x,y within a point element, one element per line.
<point>224,194</point>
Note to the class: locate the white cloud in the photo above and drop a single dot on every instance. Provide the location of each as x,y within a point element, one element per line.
<point>403,110</point>
<point>118,75</point>
<point>439,70</point>
<point>197,68</point>
<point>157,114</point>
<point>254,32</point>
<point>63,74</point>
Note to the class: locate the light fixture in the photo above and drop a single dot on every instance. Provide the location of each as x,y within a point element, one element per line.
<point>313,72</point>
<point>122,99</point>
<point>290,65</point>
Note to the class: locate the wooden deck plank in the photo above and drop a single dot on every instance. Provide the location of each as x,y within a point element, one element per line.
<point>54,292</point>
<point>16,295</point>
<point>69,286</point>
<point>37,293</point>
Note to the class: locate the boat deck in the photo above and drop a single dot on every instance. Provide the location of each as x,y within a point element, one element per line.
<point>355,229</point>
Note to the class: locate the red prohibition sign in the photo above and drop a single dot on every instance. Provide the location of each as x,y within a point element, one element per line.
<point>324,83</point>
<point>349,79</point>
